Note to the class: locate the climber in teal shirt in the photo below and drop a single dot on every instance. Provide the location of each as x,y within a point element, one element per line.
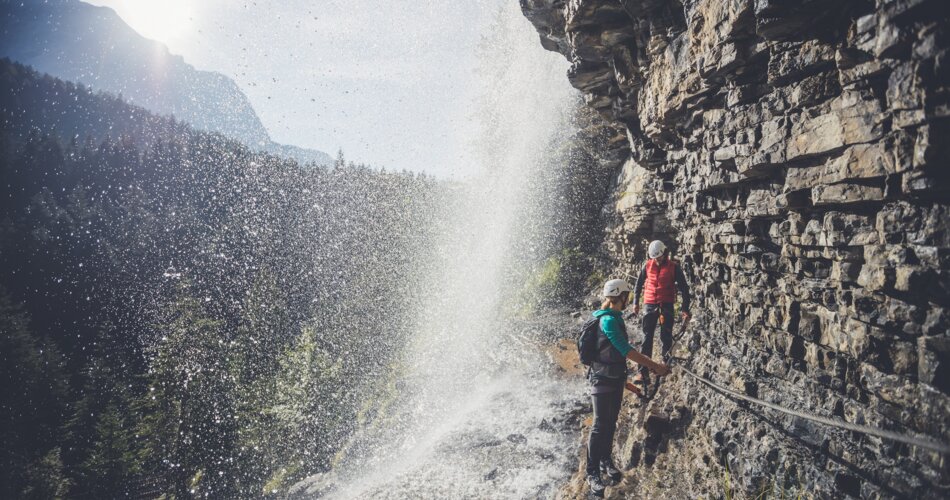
<point>608,377</point>
<point>611,323</point>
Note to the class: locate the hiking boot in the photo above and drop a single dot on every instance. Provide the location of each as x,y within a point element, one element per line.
<point>596,485</point>
<point>612,472</point>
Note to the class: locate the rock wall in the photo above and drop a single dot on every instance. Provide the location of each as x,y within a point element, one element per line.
<point>794,154</point>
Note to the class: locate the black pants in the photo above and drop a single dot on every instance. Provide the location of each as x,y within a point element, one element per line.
<point>599,447</point>
<point>651,316</point>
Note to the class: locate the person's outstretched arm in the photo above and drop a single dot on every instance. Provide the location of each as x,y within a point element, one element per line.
<point>653,366</point>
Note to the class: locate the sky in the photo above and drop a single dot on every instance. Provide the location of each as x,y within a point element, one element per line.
<point>389,83</point>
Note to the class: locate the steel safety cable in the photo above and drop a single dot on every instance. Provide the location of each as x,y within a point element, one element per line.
<point>928,443</point>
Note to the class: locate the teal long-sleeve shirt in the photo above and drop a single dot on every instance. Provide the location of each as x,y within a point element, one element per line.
<point>611,323</point>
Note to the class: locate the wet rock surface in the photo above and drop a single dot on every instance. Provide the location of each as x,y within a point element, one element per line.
<point>515,440</point>
<point>793,154</point>
<point>514,436</point>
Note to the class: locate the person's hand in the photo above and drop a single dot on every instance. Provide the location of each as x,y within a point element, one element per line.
<point>636,309</point>
<point>684,315</point>
<point>660,369</point>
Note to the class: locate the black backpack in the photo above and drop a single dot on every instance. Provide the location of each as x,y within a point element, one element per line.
<point>587,341</point>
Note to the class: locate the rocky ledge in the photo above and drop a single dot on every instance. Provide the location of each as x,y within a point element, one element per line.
<point>790,152</point>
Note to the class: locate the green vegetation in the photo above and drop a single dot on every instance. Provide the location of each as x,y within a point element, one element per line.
<point>181,316</point>
<point>779,487</point>
<point>558,280</point>
<point>563,227</point>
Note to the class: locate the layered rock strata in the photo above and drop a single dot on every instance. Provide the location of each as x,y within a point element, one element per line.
<point>793,153</point>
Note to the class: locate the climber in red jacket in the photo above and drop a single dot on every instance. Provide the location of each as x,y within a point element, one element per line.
<point>656,282</point>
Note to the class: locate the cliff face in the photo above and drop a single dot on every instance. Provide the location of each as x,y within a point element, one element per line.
<point>793,153</point>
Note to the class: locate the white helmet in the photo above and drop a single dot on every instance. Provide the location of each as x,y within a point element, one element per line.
<point>614,288</point>
<point>656,249</point>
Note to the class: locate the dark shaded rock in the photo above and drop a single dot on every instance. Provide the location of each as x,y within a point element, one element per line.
<point>487,444</point>
<point>656,423</point>
<point>517,438</point>
<point>848,484</point>
<point>545,426</point>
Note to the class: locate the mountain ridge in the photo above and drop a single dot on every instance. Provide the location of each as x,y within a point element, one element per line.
<point>92,45</point>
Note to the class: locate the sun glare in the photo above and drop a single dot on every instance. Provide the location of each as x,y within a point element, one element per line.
<point>162,20</point>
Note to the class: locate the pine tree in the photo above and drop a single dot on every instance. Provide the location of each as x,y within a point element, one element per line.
<point>292,421</point>
<point>327,404</point>
<point>111,464</point>
<point>340,161</point>
<point>32,390</point>
<point>254,361</point>
<point>190,366</point>
<point>158,420</point>
<point>100,434</point>
<point>46,478</point>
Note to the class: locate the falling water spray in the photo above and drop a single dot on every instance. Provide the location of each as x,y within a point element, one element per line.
<point>471,397</point>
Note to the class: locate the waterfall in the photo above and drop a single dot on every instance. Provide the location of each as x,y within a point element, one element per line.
<point>470,416</point>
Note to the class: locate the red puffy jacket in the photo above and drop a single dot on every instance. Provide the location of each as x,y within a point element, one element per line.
<point>659,286</point>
